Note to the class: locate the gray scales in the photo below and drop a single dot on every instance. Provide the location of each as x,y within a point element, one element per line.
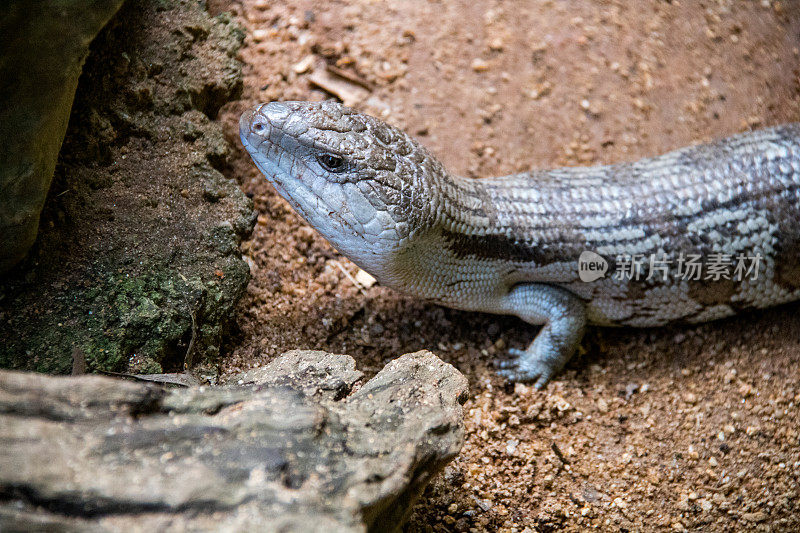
<point>511,245</point>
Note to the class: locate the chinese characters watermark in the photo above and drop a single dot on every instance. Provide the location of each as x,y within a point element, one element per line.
<point>690,267</point>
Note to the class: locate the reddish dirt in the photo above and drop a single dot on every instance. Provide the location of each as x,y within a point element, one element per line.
<point>667,429</point>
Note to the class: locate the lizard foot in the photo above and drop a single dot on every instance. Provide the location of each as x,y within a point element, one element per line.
<point>563,317</point>
<point>526,367</point>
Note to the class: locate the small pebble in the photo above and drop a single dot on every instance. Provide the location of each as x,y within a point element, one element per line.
<point>365,279</point>
<point>479,65</point>
<point>759,516</point>
<point>304,65</point>
<point>683,502</point>
<point>511,446</point>
<point>496,44</point>
<point>260,35</point>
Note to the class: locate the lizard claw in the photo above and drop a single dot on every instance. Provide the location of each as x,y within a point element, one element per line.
<point>510,363</point>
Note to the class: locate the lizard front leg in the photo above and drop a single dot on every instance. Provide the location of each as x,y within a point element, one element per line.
<point>563,316</point>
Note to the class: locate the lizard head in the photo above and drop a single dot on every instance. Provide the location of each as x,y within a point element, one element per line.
<point>364,185</point>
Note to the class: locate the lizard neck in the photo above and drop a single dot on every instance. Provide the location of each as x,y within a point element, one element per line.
<point>513,218</point>
<point>465,206</point>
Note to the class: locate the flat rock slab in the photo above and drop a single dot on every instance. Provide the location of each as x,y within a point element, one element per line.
<point>293,446</point>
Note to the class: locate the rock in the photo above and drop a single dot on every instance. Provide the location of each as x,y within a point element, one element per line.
<point>45,43</point>
<point>137,266</point>
<point>315,373</point>
<point>269,454</point>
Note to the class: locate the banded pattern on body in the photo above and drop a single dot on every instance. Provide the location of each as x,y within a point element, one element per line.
<point>740,196</point>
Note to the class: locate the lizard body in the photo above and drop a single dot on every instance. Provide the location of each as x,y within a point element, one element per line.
<point>514,244</point>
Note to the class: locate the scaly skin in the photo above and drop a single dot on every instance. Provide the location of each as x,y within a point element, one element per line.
<point>511,245</point>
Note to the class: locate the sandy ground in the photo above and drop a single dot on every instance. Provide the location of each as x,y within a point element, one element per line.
<point>669,429</point>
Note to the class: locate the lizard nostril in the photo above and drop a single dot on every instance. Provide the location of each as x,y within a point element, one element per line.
<point>259,126</point>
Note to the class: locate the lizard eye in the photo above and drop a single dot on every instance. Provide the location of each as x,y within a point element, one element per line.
<point>331,163</point>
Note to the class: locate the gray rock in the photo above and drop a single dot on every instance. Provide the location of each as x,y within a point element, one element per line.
<point>316,373</point>
<point>45,43</point>
<point>294,446</point>
<point>137,266</point>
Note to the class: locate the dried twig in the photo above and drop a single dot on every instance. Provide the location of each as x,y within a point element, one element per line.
<point>557,451</point>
